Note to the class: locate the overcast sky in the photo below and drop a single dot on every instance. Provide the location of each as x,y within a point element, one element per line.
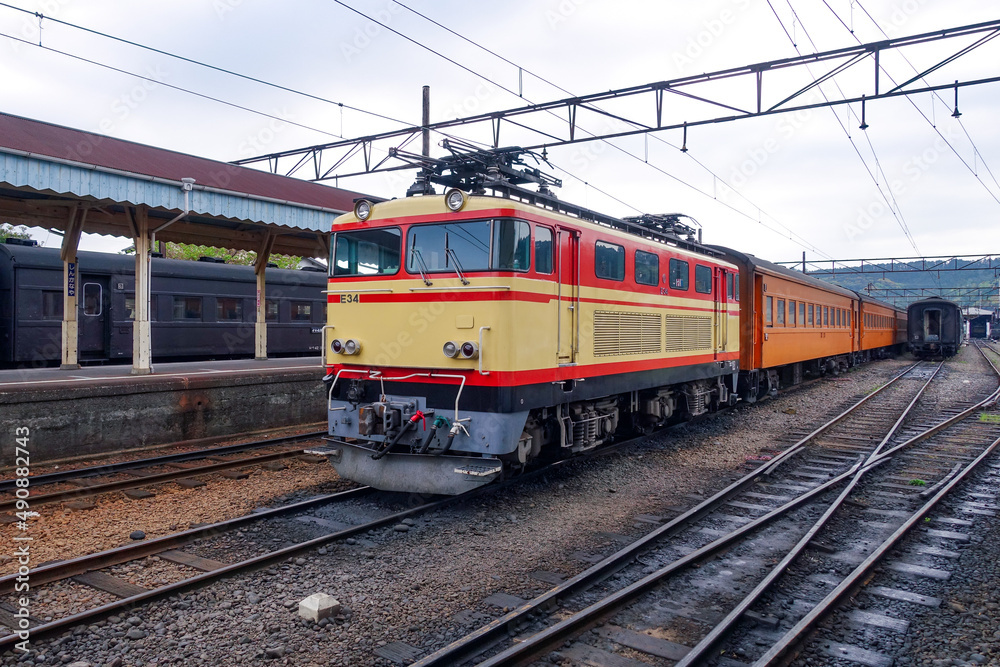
<point>798,174</point>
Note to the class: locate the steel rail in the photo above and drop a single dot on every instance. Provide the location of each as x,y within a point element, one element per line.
<point>57,571</point>
<point>792,637</point>
<point>90,615</point>
<point>699,651</point>
<point>112,468</point>
<point>546,640</point>
<point>256,562</point>
<point>98,489</point>
<point>473,643</point>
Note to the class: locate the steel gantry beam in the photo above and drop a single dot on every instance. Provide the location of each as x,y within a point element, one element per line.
<point>884,265</point>
<point>773,87</point>
<point>987,297</point>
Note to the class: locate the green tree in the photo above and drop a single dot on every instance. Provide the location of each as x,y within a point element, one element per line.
<point>7,231</point>
<point>245,257</point>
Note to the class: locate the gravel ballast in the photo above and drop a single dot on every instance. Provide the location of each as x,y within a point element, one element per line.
<point>425,585</point>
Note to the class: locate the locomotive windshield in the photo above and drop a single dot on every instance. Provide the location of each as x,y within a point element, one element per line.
<point>480,245</point>
<point>370,252</point>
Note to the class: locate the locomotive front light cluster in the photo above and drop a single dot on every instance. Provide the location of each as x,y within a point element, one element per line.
<point>363,209</point>
<point>467,350</point>
<point>455,200</point>
<point>349,346</point>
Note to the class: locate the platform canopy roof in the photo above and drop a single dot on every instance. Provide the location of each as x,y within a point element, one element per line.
<point>49,171</point>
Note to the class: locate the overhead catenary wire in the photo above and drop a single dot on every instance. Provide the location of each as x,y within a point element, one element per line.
<point>792,235</point>
<point>169,85</point>
<point>895,213</point>
<point>199,63</point>
<point>920,111</point>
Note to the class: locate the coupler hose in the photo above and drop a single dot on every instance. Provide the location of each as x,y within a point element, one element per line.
<point>455,428</point>
<point>438,423</point>
<point>410,424</point>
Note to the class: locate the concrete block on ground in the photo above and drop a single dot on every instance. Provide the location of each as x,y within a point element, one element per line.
<point>318,606</point>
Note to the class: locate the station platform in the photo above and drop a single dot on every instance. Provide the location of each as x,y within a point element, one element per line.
<point>96,410</point>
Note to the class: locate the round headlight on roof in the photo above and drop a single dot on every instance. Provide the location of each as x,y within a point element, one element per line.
<point>363,209</point>
<point>455,199</point>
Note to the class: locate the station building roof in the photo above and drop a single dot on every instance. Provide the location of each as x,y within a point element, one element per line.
<point>46,170</point>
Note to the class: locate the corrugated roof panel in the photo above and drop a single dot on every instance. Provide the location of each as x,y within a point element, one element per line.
<point>46,139</point>
<point>39,174</point>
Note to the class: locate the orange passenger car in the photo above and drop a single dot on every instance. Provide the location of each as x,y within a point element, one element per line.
<point>800,326</point>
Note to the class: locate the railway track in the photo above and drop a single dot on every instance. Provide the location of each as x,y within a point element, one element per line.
<point>709,575</point>
<point>87,482</point>
<point>90,570</point>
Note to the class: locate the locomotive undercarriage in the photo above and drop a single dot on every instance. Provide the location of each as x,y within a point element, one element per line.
<point>398,443</point>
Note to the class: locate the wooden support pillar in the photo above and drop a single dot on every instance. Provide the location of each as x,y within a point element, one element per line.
<point>260,268</point>
<point>70,323</point>
<point>142,343</point>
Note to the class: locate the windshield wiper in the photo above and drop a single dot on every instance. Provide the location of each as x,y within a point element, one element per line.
<point>458,265</point>
<point>421,267</point>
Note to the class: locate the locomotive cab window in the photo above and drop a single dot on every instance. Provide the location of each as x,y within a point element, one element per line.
<point>511,245</point>
<point>609,261</point>
<point>543,249</point>
<point>702,279</point>
<point>369,252</point>
<point>679,274</point>
<point>647,268</point>
<point>729,286</point>
<point>466,246</point>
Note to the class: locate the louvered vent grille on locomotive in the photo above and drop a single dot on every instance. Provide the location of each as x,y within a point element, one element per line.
<point>688,332</point>
<point>626,333</point>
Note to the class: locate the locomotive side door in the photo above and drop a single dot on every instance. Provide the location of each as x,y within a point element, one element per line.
<point>567,295</point>
<point>721,311</point>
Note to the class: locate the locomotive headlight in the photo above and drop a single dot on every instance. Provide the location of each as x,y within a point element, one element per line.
<point>469,350</point>
<point>351,346</point>
<point>455,199</point>
<point>363,209</point>
<point>450,349</point>
<point>337,346</point>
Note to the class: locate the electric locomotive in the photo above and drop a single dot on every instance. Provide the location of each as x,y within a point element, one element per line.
<point>470,333</point>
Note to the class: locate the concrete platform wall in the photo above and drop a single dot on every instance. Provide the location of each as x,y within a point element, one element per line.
<point>84,419</point>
